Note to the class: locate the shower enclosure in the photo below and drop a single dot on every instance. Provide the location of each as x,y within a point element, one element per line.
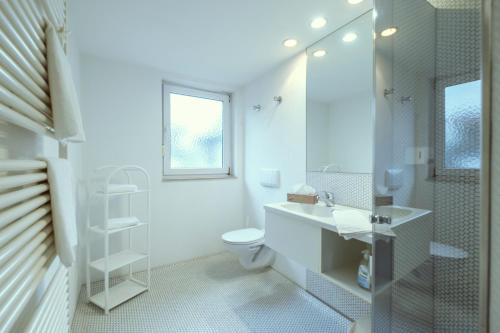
<point>428,155</point>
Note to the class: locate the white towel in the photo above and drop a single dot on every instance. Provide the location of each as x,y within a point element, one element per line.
<point>64,100</point>
<point>122,188</point>
<point>351,222</point>
<point>122,222</point>
<point>63,208</point>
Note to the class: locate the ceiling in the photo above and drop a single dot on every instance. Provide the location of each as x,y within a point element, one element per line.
<point>228,42</point>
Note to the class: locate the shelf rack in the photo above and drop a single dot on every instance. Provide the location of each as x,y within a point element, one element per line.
<point>101,189</point>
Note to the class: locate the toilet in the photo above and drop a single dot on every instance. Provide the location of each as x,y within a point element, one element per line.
<point>248,245</point>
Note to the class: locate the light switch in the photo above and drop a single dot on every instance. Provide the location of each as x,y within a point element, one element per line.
<point>422,155</point>
<point>416,155</point>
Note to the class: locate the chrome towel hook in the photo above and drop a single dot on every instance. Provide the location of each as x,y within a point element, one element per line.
<point>388,92</point>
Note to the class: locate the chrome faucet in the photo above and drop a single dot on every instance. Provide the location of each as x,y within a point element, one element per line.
<point>327,198</point>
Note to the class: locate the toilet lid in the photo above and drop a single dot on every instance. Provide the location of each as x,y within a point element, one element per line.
<point>243,236</point>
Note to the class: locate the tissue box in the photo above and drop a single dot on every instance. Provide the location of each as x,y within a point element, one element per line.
<point>302,198</point>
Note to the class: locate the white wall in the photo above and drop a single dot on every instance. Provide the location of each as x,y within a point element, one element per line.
<point>383,118</point>
<point>275,138</point>
<point>318,129</point>
<point>340,135</point>
<point>122,111</point>
<point>351,134</point>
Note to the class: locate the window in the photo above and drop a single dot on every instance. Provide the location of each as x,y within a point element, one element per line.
<point>462,125</point>
<point>196,133</point>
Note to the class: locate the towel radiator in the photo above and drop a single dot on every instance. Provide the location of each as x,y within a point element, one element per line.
<point>52,314</point>
<point>33,283</point>
<point>27,247</point>
<point>24,89</point>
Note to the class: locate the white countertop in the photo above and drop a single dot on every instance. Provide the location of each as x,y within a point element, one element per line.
<point>323,216</point>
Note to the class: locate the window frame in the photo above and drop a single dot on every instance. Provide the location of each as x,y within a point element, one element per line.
<point>441,85</point>
<point>179,174</point>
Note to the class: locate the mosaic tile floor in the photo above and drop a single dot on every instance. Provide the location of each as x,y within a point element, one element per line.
<point>213,294</point>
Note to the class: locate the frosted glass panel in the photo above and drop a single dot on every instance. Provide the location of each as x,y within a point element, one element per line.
<point>196,132</point>
<point>463,114</point>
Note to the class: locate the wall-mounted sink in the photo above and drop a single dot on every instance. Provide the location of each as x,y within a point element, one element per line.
<point>400,214</point>
<point>329,217</point>
<point>394,211</point>
<point>319,214</point>
<point>305,209</point>
<point>329,241</point>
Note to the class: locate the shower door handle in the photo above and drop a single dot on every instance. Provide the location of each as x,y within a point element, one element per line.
<point>380,219</point>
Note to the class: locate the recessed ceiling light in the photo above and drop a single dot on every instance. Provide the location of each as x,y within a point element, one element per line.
<point>354,2</point>
<point>389,32</point>
<point>290,42</point>
<point>319,53</point>
<point>318,23</point>
<point>349,37</point>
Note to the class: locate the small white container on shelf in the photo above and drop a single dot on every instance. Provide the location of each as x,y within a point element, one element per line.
<point>117,183</point>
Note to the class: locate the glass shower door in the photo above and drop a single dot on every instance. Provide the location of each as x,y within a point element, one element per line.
<point>426,224</point>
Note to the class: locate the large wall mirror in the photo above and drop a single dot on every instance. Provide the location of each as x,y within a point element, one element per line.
<point>339,100</point>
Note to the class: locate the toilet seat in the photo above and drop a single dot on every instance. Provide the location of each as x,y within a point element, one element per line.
<point>248,245</point>
<point>243,236</point>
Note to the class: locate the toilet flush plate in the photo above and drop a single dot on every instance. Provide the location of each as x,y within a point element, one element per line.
<point>270,178</point>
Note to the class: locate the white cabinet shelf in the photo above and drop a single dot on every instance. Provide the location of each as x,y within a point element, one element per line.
<point>109,178</point>
<point>118,294</point>
<point>346,278</point>
<point>118,260</point>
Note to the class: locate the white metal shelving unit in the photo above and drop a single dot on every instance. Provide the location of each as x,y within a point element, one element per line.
<point>117,182</point>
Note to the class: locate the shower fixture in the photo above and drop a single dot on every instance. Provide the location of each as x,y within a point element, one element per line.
<point>388,92</point>
<point>406,99</point>
<point>276,99</point>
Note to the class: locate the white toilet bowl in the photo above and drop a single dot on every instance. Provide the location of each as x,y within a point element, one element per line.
<point>248,244</point>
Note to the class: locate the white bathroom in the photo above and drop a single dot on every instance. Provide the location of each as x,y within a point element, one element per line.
<point>264,166</point>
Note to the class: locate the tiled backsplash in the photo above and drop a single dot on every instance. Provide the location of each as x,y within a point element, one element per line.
<point>350,189</point>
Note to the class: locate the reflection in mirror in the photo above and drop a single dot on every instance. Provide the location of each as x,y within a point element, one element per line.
<point>462,104</point>
<point>339,98</point>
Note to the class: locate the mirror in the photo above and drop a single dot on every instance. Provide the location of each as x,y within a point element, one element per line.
<point>339,100</point>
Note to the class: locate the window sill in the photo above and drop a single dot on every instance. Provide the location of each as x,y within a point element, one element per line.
<point>196,177</point>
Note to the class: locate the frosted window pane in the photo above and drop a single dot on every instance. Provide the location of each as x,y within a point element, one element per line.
<point>463,114</point>
<point>196,132</point>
